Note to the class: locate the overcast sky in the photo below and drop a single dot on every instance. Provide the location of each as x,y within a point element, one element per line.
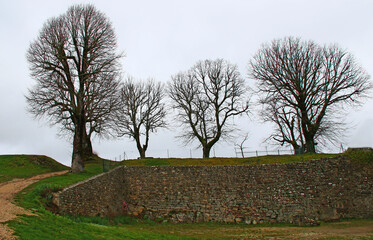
<point>161,38</point>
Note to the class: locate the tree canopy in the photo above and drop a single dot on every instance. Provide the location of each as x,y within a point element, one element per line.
<point>303,87</point>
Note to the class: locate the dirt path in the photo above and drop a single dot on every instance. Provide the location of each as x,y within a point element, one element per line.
<point>344,230</point>
<point>328,231</point>
<point>9,211</point>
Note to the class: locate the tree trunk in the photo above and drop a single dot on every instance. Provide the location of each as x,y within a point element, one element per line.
<point>87,144</point>
<point>206,151</point>
<point>310,145</point>
<point>77,162</point>
<point>77,165</point>
<point>139,147</point>
<point>297,150</point>
<point>242,152</point>
<point>78,156</point>
<point>308,134</point>
<point>142,153</point>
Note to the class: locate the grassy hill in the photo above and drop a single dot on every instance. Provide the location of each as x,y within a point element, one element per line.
<point>24,166</point>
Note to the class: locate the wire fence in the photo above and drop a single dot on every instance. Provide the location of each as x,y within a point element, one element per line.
<point>161,153</point>
<point>257,153</point>
<point>197,153</point>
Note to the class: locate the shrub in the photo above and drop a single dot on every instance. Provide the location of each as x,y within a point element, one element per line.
<point>360,155</point>
<point>46,192</point>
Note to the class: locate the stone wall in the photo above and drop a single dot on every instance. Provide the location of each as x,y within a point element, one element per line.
<point>96,196</point>
<point>326,189</point>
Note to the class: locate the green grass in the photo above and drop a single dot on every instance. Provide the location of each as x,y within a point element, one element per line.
<point>24,166</point>
<point>270,159</point>
<point>49,226</point>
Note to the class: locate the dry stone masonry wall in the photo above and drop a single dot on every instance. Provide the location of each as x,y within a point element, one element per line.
<point>327,189</point>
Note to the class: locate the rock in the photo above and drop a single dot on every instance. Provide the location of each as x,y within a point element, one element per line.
<point>238,220</point>
<point>303,221</point>
<point>269,213</point>
<point>248,221</point>
<point>329,214</point>
<point>55,199</point>
<point>181,217</point>
<point>140,209</point>
<point>137,211</point>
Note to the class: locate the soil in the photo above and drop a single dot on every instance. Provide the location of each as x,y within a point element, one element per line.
<point>328,231</point>
<point>8,210</point>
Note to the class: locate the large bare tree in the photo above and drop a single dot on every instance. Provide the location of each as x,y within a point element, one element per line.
<point>303,87</point>
<point>76,68</point>
<point>206,97</point>
<point>141,111</point>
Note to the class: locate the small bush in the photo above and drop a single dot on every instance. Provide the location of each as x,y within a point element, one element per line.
<point>46,191</point>
<point>360,156</point>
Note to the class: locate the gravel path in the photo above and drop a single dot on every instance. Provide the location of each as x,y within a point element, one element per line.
<point>9,211</point>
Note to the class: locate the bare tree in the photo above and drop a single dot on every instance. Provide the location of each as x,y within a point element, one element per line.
<point>76,68</point>
<point>206,97</point>
<point>240,145</point>
<point>303,87</point>
<point>141,111</point>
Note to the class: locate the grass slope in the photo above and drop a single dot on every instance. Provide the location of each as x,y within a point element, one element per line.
<point>49,226</point>
<point>24,166</point>
<point>270,159</point>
